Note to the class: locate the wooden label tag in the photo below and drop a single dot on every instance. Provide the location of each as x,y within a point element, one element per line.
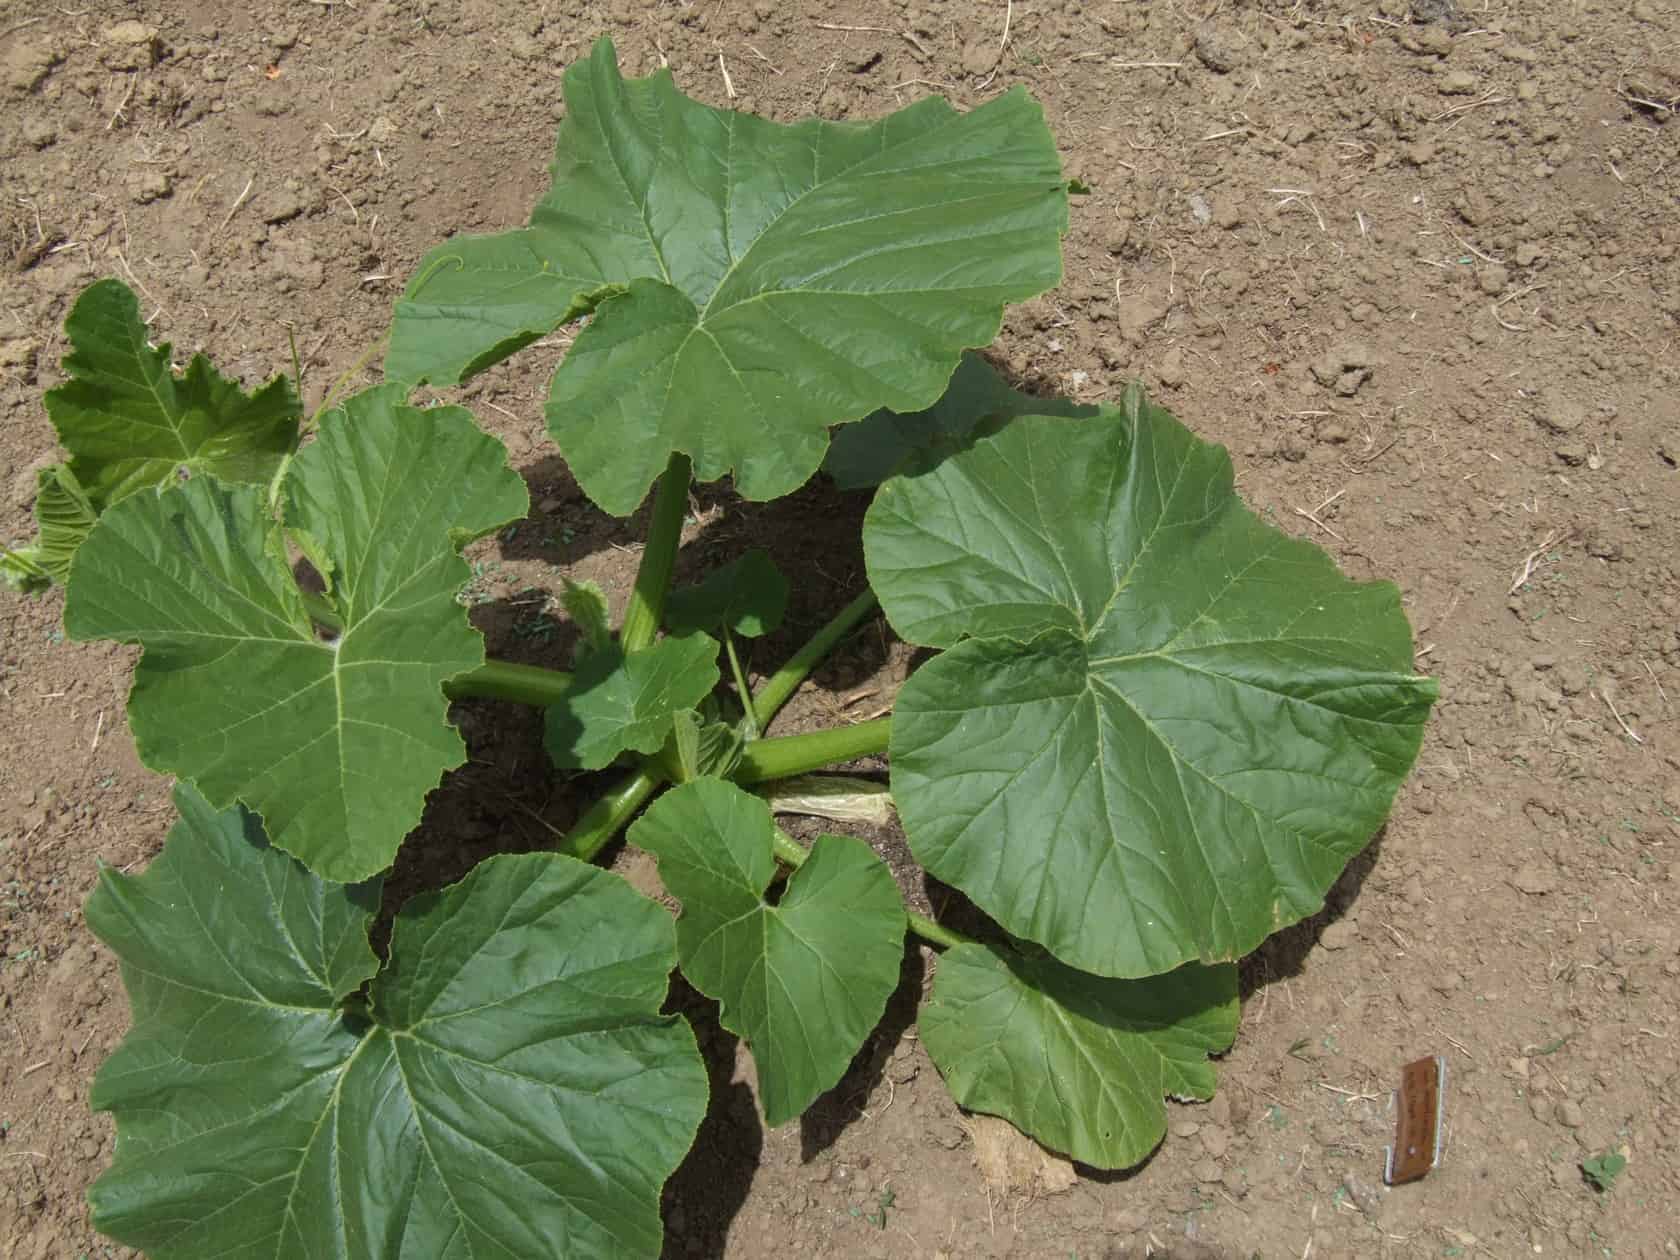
<point>1419,1108</point>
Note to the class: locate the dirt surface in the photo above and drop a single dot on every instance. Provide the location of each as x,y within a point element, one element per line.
<point>1417,268</point>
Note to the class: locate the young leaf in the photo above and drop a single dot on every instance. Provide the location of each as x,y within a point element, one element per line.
<point>620,703</point>
<point>511,1090</point>
<point>698,747</point>
<point>1181,723</point>
<point>747,596</point>
<point>334,743</point>
<point>64,515</point>
<point>1602,1170</point>
<point>1079,1062</point>
<point>802,981</point>
<point>24,568</point>
<point>976,403</point>
<point>586,604</point>
<point>130,423</point>
<point>752,283</point>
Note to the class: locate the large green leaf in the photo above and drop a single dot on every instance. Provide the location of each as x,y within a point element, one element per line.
<point>1180,723</point>
<point>751,283</point>
<point>512,1089</point>
<point>1080,1062</point>
<point>334,742</point>
<point>977,402</point>
<point>804,980</point>
<point>131,423</point>
<point>620,703</point>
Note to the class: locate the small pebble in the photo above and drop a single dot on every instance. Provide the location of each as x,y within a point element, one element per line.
<point>1572,453</point>
<point>1494,280</point>
<point>1366,1197</point>
<point>1171,368</point>
<point>1536,881</point>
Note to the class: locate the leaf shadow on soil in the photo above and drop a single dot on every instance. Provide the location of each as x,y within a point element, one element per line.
<point>711,1185</point>
<point>702,1198</point>
<point>1283,955</point>
<point>845,1104</point>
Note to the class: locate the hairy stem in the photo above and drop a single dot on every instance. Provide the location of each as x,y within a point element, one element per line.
<point>659,557</point>
<point>297,364</point>
<point>741,688</point>
<point>785,681</point>
<point>606,817</point>
<point>793,853</point>
<point>765,759</point>
<point>337,390</point>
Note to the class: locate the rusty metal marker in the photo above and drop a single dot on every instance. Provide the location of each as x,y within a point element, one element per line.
<point>1419,1106</point>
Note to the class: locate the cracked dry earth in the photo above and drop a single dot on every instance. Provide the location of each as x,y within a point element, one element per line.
<point>1415,265</point>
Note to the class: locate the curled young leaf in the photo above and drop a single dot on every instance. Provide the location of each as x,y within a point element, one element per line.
<point>65,515</point>
<point>507,1087</point>
<point>1165,726</point>
<point>130,422</point>
<point>586,604</point>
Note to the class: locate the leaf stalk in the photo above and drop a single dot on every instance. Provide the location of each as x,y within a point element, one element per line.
<point>741,687</point>
<point>606,817</point>
<point>505,680</point>
<point>659,557</point>
<point>785,681</point>
<point>788,755</point>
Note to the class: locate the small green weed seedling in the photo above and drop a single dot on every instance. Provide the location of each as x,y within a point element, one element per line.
<point>1602,1170</point>
<point>1153,731</point>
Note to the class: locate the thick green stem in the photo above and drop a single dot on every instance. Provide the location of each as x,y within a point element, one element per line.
<point>785,681</point>
<point>659,557</point>
<point>606,817</point>
<point>935,933</point>
<point>504,680</point>
<point>765,759</point>
<point>793,853</point>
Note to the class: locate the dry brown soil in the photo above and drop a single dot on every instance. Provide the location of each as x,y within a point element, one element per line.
<point>1416,268</point>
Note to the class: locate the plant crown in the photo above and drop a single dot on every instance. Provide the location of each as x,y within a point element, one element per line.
<point>1155,730</point>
